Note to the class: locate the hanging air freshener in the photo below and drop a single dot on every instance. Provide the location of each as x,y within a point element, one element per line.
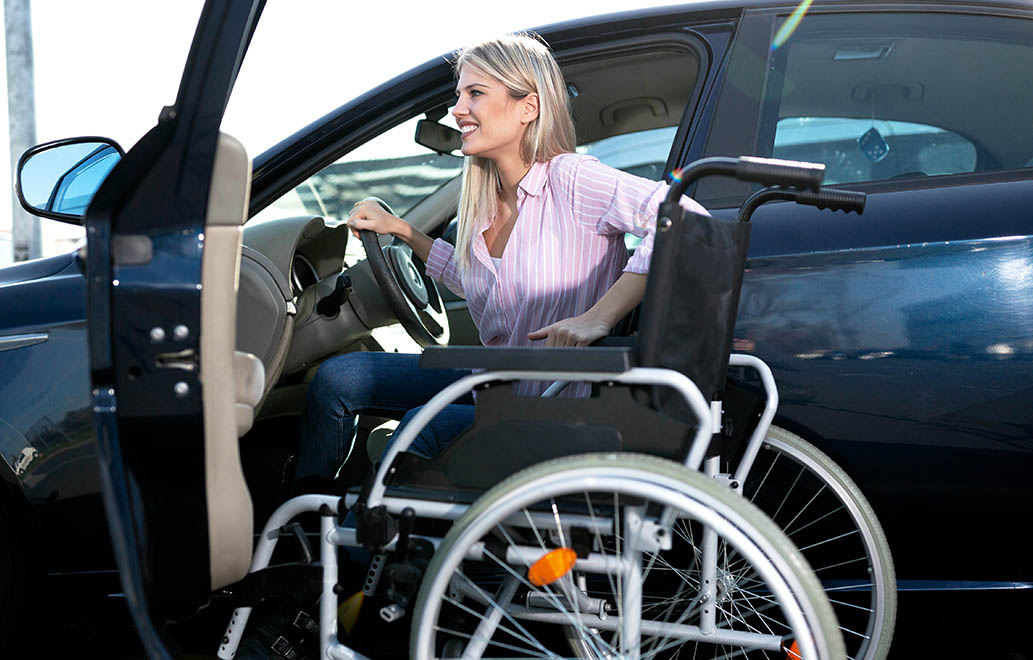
<point>873,145</point>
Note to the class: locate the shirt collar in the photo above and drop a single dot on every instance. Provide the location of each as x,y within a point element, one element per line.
<point>534,180</point>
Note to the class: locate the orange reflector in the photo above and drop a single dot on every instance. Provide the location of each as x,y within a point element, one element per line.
<point>551,567</point>
<point>793,652</point>
<point>348,612</point>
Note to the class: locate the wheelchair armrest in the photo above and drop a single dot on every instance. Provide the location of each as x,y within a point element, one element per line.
<point>617,340</point>
<point>605,359</point>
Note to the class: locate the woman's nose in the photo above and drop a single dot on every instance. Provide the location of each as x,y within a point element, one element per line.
<point>460,109</point>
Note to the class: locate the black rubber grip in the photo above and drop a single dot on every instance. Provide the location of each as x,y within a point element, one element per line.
<point>832,198</point>
<point>537,358</point>
<point>775,172</point>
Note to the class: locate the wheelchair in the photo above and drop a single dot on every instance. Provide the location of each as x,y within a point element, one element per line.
<point>661,517</point>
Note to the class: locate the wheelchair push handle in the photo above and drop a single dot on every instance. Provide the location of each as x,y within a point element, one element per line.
<point>776,172</point>
<point>767,171</point>
<point>833,199</point>
<point>827,198</point>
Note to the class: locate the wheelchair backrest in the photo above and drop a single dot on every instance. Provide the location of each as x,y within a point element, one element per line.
<point>692,297</point>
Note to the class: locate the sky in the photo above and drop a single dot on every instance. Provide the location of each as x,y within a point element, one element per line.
<point>106,67</point>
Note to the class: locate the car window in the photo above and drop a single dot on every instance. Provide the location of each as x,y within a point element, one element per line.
<point>642,153</point>
<point>893,96</point>
<point>877,96</point>
<point>391,166</point>
<point>867,150</point>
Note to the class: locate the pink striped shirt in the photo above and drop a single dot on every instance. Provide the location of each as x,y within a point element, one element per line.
<point>565,251</point>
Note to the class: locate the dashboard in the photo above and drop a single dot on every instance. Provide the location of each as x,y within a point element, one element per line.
<point>288,266</point>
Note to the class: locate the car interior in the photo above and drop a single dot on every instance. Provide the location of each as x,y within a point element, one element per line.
<point>307,294</point>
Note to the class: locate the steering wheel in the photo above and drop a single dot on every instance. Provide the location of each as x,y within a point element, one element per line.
<point>410,293</point>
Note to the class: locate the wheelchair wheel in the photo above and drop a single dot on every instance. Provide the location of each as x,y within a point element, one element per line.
<point>825,515</point>
<point>619,555</point>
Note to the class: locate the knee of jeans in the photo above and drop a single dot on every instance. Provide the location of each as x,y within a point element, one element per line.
<point>407,417</point>
<point>337,378</point>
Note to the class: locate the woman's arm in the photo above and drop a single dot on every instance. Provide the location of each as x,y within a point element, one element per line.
<point>621,298</point>
<point>608,201</point>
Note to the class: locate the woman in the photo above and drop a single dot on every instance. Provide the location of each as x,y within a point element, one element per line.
<point>539,256</point>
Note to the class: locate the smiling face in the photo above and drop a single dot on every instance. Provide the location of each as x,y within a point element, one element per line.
<point>492,121</point>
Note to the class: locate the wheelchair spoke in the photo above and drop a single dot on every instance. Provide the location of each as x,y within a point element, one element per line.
<point>853,587</point>
<point>826,516</point>
<point>760,487</point>
<point>566,606</point>
<point>555,600</point>
<point>509,631</point>
<point>829,540</point>
<point>524,634</point>
<point>786,527</point>
<point>508,647</point>
<point>817,520</point>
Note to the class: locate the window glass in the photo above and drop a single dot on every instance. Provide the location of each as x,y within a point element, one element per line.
<point>866,150</point>
<point>642,153</point>
<point>391,166</point>
<point>884,96</point>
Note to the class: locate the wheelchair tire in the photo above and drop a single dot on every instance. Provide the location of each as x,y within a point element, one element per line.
<point>824,514</point>
<point>767,595</point>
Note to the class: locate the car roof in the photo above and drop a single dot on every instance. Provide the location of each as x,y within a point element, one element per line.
<point>724,6</point>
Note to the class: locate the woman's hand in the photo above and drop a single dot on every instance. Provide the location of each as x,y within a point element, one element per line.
<point>596,323</point>
<point>575,331</point>
<point>367,214</point>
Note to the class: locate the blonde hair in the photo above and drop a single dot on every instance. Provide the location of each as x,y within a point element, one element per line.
<point>523,65</point>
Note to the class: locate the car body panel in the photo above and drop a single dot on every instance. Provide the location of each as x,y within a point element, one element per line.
<point>922,386</point>
<point>50,414</point>
<point>901,338</point>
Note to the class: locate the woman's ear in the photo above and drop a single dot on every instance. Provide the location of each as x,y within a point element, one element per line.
<point>529,112</point>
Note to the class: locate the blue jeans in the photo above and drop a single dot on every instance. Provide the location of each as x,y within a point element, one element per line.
<point>383,384</point>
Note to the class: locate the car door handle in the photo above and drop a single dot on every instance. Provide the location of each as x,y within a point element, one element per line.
<point>185,360</point>
<point>11,342</point>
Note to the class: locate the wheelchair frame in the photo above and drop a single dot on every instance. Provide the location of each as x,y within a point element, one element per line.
<point>797,591</point>
<point>333,535</point>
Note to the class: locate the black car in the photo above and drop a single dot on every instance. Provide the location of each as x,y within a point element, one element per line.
<point>901,339</point>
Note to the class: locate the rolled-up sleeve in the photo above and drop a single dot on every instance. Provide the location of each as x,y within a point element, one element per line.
<point>443,266</point>
<point>611,202</point>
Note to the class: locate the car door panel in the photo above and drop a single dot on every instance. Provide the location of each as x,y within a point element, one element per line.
<point>145,231</point>
<point>900,338</point>
<point>908,362</point>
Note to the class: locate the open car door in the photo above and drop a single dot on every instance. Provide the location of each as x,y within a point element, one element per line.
<point>162,259</point>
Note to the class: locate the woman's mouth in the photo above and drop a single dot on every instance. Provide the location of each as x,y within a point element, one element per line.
<point>467,129</point>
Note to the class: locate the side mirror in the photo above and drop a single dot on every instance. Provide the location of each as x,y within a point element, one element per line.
<point>438,137</point>
<point>58,179</point>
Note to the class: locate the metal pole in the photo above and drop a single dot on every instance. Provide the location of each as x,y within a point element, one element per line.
<point>21,113</point>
